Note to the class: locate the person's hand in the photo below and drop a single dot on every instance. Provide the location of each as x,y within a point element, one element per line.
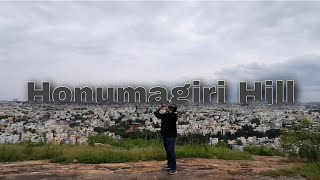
<point>169,110</point>
<point>161,107</point>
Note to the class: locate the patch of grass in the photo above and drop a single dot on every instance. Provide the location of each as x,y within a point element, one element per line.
<point>137,143</point>
<point>207,151</point>
<point>27,151</point>
<point>117,151</point>
<point>125,143</point>
<point>310,171</point>
<point>262,151</point>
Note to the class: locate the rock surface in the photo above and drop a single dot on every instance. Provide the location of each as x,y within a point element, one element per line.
<point>188,169</point>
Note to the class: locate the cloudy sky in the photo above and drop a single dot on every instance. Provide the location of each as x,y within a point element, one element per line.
<point>101,43</point>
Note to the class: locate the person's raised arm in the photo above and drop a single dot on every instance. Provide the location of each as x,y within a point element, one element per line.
<point>157,114</point>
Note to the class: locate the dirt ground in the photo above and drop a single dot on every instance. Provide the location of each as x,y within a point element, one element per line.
<point>188,169</point>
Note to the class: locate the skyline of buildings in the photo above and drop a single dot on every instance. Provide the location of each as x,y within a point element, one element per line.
<point>73,124</point>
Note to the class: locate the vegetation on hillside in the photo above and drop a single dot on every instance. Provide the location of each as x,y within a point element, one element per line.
<point>301,144</point>
<point>103,149</point>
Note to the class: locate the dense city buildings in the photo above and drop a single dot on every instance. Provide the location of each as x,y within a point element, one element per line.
<point>238,125</point>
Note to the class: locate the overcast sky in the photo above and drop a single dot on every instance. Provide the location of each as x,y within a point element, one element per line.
<point>77,43</point>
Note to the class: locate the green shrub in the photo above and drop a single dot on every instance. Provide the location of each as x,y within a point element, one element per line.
<point>100,138</point>
<point>302,145</point>
<point>262,151</point>
<point>309,152</point>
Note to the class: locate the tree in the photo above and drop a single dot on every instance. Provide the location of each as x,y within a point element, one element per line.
<point>156,125</point>
<point>302,144</point>
<point>238,142</point>
<point>256,120</point>
<point>305,123</point>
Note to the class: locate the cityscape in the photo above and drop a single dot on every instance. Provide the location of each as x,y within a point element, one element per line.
<point>237,125</point>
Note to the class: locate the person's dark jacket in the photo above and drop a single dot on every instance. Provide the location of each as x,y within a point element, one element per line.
<point>168,124</point>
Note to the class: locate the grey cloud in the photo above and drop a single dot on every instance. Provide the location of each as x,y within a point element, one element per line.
<point>149,42</point>
<point>304,70</point>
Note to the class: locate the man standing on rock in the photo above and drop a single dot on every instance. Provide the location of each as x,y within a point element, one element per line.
<point>169,133</point>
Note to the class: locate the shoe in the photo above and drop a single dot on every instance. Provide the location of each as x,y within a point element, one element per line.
<point>173,172</point>
<point>166,168</point>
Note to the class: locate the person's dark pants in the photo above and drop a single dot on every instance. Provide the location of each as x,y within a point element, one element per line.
<point>169,144</point>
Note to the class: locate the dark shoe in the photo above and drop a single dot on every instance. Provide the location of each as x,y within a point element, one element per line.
<point>173,172</point>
